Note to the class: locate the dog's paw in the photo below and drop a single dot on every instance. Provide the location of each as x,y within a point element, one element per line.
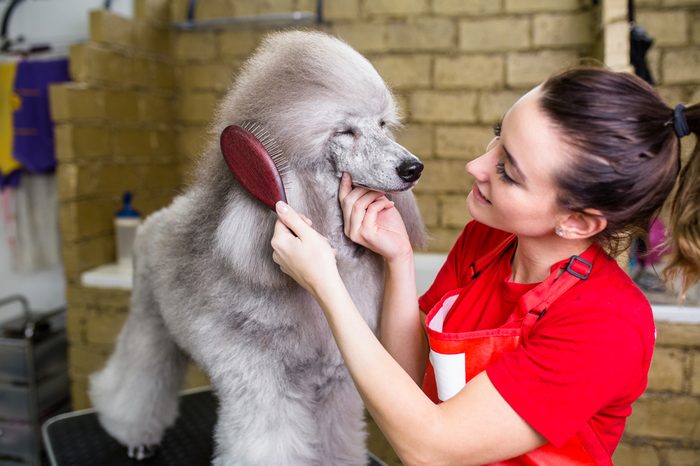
<point>142,452</point>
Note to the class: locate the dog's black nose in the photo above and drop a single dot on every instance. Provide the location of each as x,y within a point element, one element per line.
<point>410,171</point>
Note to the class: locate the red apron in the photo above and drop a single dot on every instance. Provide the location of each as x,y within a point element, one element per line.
<point>455,358</point>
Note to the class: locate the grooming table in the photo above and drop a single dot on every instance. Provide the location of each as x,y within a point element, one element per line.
<point>78,439</point>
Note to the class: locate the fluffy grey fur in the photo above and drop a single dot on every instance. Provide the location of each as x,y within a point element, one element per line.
<point>205,284</point>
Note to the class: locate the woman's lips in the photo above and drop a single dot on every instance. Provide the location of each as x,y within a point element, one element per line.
<point>480,197</point>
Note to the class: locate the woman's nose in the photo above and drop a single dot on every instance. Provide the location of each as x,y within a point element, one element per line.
<point>477,167</point>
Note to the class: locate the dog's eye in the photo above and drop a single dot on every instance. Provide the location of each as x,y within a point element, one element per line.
<point>346,132</point>
<point>382,124</point>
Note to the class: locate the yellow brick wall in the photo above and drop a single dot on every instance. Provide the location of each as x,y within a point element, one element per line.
<point>137,114</point>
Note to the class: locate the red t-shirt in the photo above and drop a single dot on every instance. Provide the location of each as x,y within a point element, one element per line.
<point>586,359</point>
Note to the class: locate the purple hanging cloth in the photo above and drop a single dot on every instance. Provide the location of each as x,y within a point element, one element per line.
<point>33,129</point>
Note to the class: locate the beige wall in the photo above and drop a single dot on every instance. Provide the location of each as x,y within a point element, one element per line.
<point>136,117</point>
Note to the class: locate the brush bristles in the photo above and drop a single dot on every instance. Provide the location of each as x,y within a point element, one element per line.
<point>272,148</point>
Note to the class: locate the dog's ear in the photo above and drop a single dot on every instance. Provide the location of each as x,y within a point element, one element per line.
<point>406,204</point>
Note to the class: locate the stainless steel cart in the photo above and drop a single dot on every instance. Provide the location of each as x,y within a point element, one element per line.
<point>33,379</point>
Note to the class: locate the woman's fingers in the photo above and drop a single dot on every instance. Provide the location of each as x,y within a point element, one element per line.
<point>370,220</point>
<point>292,219</point>
<point>358,212</point>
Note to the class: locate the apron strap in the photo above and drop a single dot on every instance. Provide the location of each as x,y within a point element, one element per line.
<point>557,283</point>
<point>479,264</point>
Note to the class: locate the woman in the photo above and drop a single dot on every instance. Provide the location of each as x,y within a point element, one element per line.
<point>553,339</point>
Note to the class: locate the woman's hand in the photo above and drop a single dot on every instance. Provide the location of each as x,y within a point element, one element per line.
<point>301,252</point>
<point>372,221</point>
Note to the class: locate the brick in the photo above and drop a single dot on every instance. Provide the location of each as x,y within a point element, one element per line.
<point>78,393</point>
<point>131,142</point>
<point>191,140</point>
<point>429,210</point>
<point>81,142</point>
<point>365,36</point>
<point>87,254</point>
<point>681,2</point>
<point>695,373</point>
<point>442,239</point>
<point>104,327</point>
<point>197,107</point>
<point>340,9</point>
<point>496,34</point>
<point>238,43</point>
<point>82,219</point>
<point>696,96</point>
<point>672,95</point>
<point>560,30</point>
<point>470,71</point>
<point>152,10</point>
<point>121,106</point>
<point>614,10</point>
<point>418,139</point>
<point>426,33</point>
<point>142,72</point>
<point>93,63</point>
<point>163,76</point>
<point>464,143</point>
<point>204,76</point>
<point>84,359</point>
<point>75,101</point>
<point>109,28</point>
<point>666,27</point>
<point>695,33</point>
<point>155,108</point>
<point>467,7</point>
<point>681,66</point>
<point>151,38</point>
<point>683,456</point>
<point>677,334</point>
<point>195,46</point>
<point>493,105</point>
<point>261,7</point>
<point>443,177</point>
<point>667,370</point>
<point>636,455</point>
<point>215,9</point>
<point>402,71</point>
<point>616,46</point>
<point>530,6</point>
<point>447,107</point>
<point>394,8</point>
<point>453,211</point>
<point>665,417</point>
<point>654,64</point>
<point>532,68</point>
<point>76,318</point>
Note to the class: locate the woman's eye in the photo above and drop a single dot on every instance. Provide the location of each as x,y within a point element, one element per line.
<point>497,129</point>
<point>501,171</point>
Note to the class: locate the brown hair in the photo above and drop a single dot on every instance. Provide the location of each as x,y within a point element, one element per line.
<point>626,159</point>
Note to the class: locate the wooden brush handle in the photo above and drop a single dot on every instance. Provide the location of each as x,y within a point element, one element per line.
<point>251,164</point>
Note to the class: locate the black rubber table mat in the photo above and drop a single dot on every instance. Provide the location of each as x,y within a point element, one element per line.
<point>79,440</point>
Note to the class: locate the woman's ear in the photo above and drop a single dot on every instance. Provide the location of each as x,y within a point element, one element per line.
<point>581,225</point>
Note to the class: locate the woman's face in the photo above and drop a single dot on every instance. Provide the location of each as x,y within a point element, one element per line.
<point>514,186</point>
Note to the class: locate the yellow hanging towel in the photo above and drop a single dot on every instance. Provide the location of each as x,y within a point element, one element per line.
<point>9,103</point>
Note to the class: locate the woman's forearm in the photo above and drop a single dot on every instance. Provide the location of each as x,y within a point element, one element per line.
<point>385,387</point>
<point>400,329</point>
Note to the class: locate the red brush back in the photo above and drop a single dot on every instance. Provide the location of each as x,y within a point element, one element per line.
<point>252,165</point>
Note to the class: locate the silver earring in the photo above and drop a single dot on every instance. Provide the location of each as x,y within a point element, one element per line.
<point>560,231</point>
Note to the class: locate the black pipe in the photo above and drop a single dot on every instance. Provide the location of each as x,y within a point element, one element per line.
<point>6,23</point>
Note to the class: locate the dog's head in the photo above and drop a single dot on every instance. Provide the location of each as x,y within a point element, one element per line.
<point>326,106</point>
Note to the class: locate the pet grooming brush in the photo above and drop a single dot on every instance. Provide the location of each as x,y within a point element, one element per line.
<point>256,161</point>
